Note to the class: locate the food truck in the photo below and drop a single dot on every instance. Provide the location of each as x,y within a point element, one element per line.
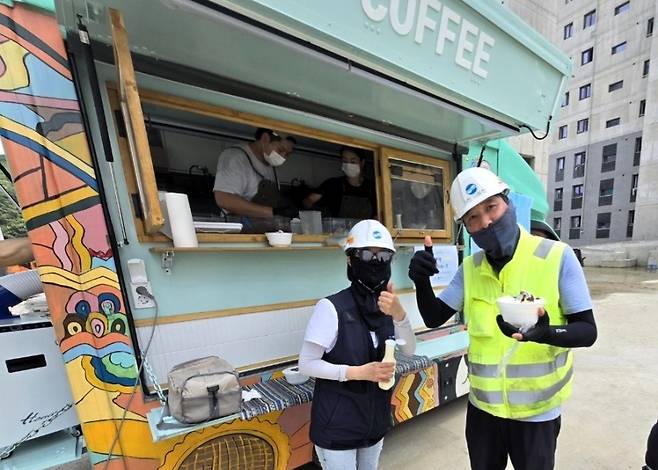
<point>109,107</point>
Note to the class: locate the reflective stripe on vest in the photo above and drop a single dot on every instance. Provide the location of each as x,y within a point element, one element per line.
<point>536,377</point>
<point>528,398</point>
<point>517,397</point>
<point>544,248</point>
<point>517,371</point>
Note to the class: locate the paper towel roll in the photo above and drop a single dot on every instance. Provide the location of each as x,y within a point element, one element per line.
<point>179,219</point>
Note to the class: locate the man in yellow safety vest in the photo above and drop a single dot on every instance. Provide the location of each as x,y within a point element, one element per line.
<point>519,377</point>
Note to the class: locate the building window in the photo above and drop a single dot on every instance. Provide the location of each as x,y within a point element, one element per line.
<point>577,196</point>
<point>557,200</point>
<point>579,165</point>
<point>585,91</point>
<point>643,107</point>
<point>634,181</point>
<point>603,225</point>
<point>621,8</point>
<point>616,86</point>
<point>568,31</point>
<point>638,151</point>
<point>559,169</point>
<point>574,227</point>
<point>587,56</point>
<point>582,126</point>
<point>589,19</point>
<point>562,132</point>
<point>565,99</point>
<point>621,47</point>
<point>609,157</point>
<point>612,122</point>
<point>650,27</point>
<point>606,188</point>
<point>629,224</point>
<point>645,68</point>
<point>557,225</point>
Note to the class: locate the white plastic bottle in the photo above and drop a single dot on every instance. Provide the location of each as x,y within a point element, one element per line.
<point>389,356</point>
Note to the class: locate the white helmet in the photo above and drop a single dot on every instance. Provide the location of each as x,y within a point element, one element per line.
<point>369,233</point>
<point>471,187</point>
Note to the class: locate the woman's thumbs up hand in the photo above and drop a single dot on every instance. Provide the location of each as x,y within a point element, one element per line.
<point>389,303</point>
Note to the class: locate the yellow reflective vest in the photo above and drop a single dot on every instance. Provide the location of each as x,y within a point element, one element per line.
<point>536,377</point>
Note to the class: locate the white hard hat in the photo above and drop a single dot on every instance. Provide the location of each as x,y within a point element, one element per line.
<point>471,187</point>
<point>369,233</point>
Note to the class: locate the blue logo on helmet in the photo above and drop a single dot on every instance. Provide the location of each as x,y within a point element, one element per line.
<point>471,189</point>
<point>376,234</point>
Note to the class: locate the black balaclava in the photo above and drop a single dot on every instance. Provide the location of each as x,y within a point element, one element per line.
<point>368,281</point>
<point>499,239</point>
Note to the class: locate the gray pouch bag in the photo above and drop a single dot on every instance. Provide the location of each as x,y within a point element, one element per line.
<point>203,389</point>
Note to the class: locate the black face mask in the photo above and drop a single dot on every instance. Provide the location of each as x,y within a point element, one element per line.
<point>369,277</point>
<point>499,239</point>
<point>368,281</point>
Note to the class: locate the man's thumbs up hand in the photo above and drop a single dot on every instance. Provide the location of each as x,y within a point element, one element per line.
<point>423,263</point>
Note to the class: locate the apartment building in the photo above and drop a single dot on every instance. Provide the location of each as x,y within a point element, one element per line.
<point>542,16</point>
<point>602,178</point>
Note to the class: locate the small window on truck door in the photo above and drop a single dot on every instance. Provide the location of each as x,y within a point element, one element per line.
<point>415,198</point>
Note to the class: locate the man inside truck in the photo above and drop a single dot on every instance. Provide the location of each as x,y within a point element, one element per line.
<point>350,196</point>
<point>246,182</point>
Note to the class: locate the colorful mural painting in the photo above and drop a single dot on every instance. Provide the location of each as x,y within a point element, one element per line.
<point>43,136</point>
<point>415,394</point>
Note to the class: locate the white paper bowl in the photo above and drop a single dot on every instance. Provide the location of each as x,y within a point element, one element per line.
<point>293,376</point>
<point>519,314</point>
<point>279,239</point>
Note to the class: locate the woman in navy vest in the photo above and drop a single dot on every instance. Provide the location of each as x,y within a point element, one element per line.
<point>343,348</point>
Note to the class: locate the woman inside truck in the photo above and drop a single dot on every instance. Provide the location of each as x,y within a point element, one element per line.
<point>343,348</point>
<point>350,196</point>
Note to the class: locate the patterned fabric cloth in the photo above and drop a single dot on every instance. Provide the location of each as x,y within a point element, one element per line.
<point>406,365</point>
<point>278,394</point>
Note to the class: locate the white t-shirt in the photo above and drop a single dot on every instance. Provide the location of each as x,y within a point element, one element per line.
<point>322,333</point>
<point>236,176</point>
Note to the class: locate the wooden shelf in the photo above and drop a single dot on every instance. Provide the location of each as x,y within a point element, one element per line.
<point>242,249</point>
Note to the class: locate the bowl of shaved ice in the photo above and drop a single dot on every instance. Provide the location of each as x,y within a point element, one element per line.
<point>520,310</point>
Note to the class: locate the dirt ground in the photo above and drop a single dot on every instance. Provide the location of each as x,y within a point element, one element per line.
<point>606,422</point>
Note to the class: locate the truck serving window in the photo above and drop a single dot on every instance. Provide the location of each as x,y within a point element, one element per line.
<point>324,183</point>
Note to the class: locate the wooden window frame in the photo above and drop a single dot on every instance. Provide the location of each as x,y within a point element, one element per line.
<point>219,112</point>
<point>388,154</point>
<point>128,105</point>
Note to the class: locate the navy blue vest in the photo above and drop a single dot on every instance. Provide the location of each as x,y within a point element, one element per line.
<point>355,413</point>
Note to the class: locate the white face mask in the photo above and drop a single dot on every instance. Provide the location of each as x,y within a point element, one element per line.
<point>274,158</point>
<point>352,170</point>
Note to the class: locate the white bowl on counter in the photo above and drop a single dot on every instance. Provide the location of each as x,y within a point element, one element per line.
<point>279,239</point>
<point>293,376</point>
<point>517,313</point>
